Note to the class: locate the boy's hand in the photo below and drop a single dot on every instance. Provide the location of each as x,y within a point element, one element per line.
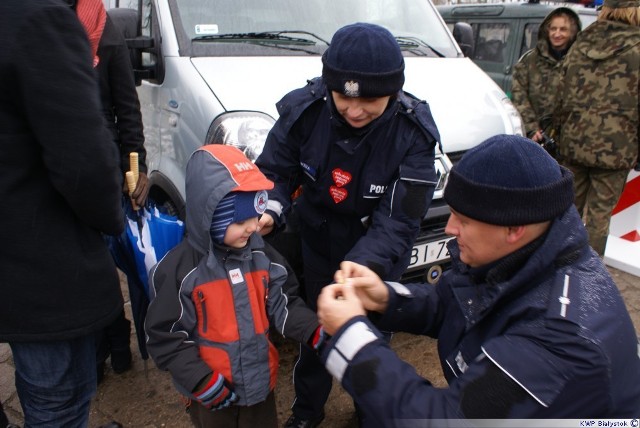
<point>215,393</point>
<point>265,224</point>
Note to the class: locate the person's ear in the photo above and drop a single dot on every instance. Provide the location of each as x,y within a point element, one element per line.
<point>515,233</point>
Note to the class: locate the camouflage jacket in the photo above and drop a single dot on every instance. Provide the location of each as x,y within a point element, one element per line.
<point>536,77</point>
<point>597,110</point>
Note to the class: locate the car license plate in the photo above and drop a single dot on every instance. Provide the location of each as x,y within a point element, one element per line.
<point>430,252</point>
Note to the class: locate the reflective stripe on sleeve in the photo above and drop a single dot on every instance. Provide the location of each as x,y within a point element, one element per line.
<point>348,345</point>
<point>400,289</point>
<point>275,206</point>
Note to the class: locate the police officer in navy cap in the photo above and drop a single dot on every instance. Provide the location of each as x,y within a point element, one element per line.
<point>530,324</point>
<point>361,150</point>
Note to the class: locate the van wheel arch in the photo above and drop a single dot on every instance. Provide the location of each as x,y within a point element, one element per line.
<point>166,196</point>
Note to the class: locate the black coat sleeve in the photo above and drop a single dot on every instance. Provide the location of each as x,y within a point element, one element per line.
<point>119,96</point>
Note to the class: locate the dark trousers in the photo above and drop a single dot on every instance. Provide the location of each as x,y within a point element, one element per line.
<point>312,384</point>
<point>3,418</point>
<point>55,381</point>
<point>311,380</point>
<point>263,415</point>
<point>113,339</point>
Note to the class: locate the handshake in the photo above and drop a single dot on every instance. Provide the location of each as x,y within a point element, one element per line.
<point>356,289</point>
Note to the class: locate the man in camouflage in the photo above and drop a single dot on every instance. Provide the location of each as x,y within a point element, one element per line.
<point>538,72</point>
<point>597,113</point>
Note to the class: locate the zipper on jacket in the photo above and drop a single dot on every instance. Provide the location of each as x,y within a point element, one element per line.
<point>203,309</point>
<point>265,283</point>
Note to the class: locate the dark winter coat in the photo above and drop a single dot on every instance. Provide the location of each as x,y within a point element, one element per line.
<point>542,333</point>
<point>364,191</point>
<point>60,180</point>
<point>119,96</point>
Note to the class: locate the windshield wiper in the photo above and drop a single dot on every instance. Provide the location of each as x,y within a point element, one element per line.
<point>276,36</point>
<point>408,42</point>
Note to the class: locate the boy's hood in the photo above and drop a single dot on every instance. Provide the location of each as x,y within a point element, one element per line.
<point>212,172</point>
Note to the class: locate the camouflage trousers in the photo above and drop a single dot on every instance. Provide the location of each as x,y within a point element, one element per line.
<point>597,193</point>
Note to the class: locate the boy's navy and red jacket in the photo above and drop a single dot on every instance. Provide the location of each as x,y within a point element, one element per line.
<point>541,333</point>
<point>214,305</point>
<point>364,191</point>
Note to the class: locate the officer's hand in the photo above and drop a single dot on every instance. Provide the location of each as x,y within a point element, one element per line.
<point>368,286</point>
<point>265,224</point>
<point>337,304</point>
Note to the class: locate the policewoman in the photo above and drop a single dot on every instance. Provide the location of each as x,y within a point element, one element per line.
<point>361,151</point>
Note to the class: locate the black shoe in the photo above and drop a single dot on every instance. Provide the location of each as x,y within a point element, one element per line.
<point>112,424</point>
<point>296,422</point>
<point>121,360</point>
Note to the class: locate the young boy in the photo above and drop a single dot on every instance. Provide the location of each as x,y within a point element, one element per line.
<point>218,293</point>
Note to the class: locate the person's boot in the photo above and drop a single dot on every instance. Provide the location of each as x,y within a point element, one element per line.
<point>120,359</point>
<point>112,424</point>
<point>296,422</point>
<point>119,336</point>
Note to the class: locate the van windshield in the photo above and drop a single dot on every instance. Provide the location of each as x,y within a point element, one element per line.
<point>301,27</point>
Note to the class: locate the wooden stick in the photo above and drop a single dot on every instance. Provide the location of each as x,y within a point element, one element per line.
<point>131,185</point>
<point>134,165</point>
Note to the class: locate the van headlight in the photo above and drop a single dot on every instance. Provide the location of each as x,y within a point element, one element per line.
<point>512,118</point>
<point>243,129</point>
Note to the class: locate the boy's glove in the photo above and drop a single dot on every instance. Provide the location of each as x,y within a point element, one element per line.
<point>318,339</point>
<point>215,394</point>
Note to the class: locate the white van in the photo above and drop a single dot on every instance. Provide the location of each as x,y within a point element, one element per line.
<point>211,72</point>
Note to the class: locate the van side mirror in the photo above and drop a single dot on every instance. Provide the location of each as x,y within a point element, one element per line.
<point>136,46</point>
<point>463,34</point>
<point>126,21</point>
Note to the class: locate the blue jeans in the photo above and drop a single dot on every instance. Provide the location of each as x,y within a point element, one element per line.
<point>55,381</point>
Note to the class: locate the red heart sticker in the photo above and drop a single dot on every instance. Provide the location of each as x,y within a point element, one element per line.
<point>338,194</point>
<point>341,177</point>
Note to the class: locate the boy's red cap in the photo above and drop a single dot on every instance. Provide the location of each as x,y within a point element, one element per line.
<point>246,175</point>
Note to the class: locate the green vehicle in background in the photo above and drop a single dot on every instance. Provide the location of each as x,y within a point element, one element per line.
<point>503,32</point>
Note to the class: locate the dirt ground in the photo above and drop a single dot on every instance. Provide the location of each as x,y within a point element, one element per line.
<point>144,396</point>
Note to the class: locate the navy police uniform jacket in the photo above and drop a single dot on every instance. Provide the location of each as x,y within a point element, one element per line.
<point>541,333</point>
<point>364,191</point>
